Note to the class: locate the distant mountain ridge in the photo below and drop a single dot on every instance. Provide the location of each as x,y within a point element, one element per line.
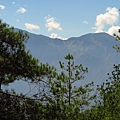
<point>93,50</point>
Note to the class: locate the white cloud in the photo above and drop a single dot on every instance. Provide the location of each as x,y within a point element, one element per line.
<point>51,24</point>
<point>2,7</point>
<point>13,3</point>
<point>85,22</point>
<point>31,26</point>
<point>17,20</point>
<point>53,35</point>
<point>21,10</point>
<point>114,30</point>
<point>109,18</point>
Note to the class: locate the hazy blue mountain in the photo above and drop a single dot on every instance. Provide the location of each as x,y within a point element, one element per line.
<point>94,50</point>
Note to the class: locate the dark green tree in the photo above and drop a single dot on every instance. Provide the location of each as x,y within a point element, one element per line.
<point>15,61</point>
<point>19,107</point>
<point>107,105</point>
<point>66,97</point>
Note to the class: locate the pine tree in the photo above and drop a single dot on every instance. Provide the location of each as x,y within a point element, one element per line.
<point>67,98</point>
<point>15,61</point>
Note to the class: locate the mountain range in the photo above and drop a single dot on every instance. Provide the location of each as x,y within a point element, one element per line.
<point>94,51</point>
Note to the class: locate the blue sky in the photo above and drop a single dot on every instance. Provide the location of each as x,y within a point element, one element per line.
<point>62,18</point>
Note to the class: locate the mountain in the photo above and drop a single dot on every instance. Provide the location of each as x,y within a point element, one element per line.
<point>94,50</point>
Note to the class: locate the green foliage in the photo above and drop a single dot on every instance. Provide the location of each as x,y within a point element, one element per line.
<point>108,105</point>
<point>60,95</point>
<point>63,97</point>
<point>117,47</point>
<point>15,62</point>
<point>19,107</point>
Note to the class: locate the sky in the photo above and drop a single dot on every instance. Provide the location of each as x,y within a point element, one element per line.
<point>62,18</point>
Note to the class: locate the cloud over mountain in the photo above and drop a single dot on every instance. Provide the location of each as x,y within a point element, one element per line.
<point>31,26</point>
<point>51,24</point>
<point>114,30</point>
<point>110,17</point>
<point>53,35</point>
